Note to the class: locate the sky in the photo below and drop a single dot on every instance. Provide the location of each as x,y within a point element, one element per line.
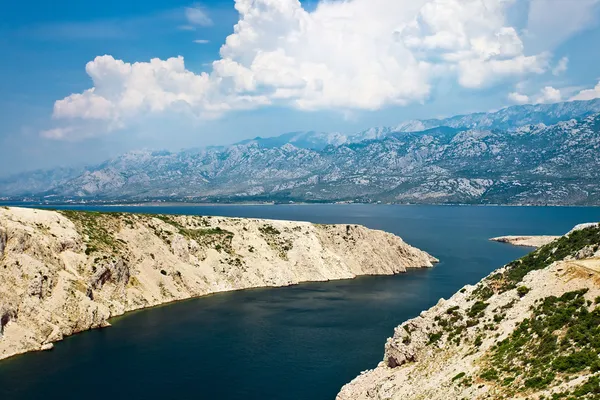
<point>82,81</point>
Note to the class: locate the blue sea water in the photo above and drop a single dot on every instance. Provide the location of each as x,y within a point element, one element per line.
<point>295,343</point>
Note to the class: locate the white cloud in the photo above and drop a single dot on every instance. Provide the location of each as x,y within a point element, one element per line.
<point>201,41</point>
<point>588,94</point>
<point>197,16</point>
<point>518,98</point>
<point>344,55</point>
<point>561,66</point>
<point>549,95</point>
<point>472,36</point>
<point>57,133</point>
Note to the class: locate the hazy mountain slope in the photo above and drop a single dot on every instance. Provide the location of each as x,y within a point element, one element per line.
<point>65,272</point>
<point>306,140</point>
<point>535,164</point>
<point>504,119</point>
<point>528,331</point>
<point>27,183</point>
<point>531,164</point>
<point>511,117</point>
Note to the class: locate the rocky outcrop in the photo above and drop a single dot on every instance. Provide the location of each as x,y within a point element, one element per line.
<point>66,272</point>
<point>528,331</point>
<point>526,241</point>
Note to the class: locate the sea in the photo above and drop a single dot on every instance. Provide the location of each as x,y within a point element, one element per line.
<point>296,343</point>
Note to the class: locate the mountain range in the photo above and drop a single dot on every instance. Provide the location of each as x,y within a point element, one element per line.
<point>531,154</point>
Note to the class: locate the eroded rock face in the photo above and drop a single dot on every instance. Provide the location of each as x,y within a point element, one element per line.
<point>6,315</point>
<point>3,240</point>
<point>70,271</point>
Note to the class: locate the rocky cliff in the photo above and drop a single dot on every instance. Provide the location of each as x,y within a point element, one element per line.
<point>63,272</point>
<point>530,330</point>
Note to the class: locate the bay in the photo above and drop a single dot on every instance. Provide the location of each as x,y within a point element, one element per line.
<point>301,342</point>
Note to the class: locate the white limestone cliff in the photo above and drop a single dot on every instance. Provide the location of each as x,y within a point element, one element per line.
<point>63,272</point>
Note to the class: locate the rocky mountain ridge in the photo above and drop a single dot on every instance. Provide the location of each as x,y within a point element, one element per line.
<point>63,272</point>
<point>468,160</point>
<point>505,119</point>
<point>530,330</point>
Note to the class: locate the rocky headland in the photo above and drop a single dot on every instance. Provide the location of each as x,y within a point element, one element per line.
<point>530,330</point>
<point>63,272</point>
<point>526,241</point>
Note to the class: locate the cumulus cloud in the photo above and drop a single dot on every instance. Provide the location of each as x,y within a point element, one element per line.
<point>588,94</point>
<point>471,35</point>
<point>344,55</point>
<point>547,94</point>
<point>518,98</point>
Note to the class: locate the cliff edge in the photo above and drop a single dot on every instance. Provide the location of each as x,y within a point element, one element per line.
<point>530,330</point>
<point>63,272</point>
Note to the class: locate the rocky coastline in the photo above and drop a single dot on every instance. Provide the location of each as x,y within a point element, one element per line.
<point>64,272</point>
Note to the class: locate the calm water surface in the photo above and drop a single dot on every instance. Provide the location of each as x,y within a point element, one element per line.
<point>302,342</point>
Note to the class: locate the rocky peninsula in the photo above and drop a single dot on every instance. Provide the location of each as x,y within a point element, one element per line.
<point>530,330</point>
<point>63,272</point>
<point>526,241</point>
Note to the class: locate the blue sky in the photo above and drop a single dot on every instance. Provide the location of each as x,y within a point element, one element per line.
<point>331,66</point>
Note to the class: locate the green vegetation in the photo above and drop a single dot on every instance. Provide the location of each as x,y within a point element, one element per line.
<point>434,337</point>
<point>217,238</point>
<point>560,340</point>
<point>458,376</point>
<point>451,324</point>
<point>489,375</point>
<point>590,390</point>
<point>97,229</point>
<point>478,341</point>
<point>452,310</point>
<point>477,309</point>
<point>276,241</point>
<point>269,230</point>
<point>522,291</point>
<point>483,292</point>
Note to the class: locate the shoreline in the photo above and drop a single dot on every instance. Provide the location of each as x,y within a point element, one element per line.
<point>115,318</point>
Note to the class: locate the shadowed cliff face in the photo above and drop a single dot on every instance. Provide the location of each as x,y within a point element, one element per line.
<point>529,330</point>
<point>3,239</point>
<point>65,272</point>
